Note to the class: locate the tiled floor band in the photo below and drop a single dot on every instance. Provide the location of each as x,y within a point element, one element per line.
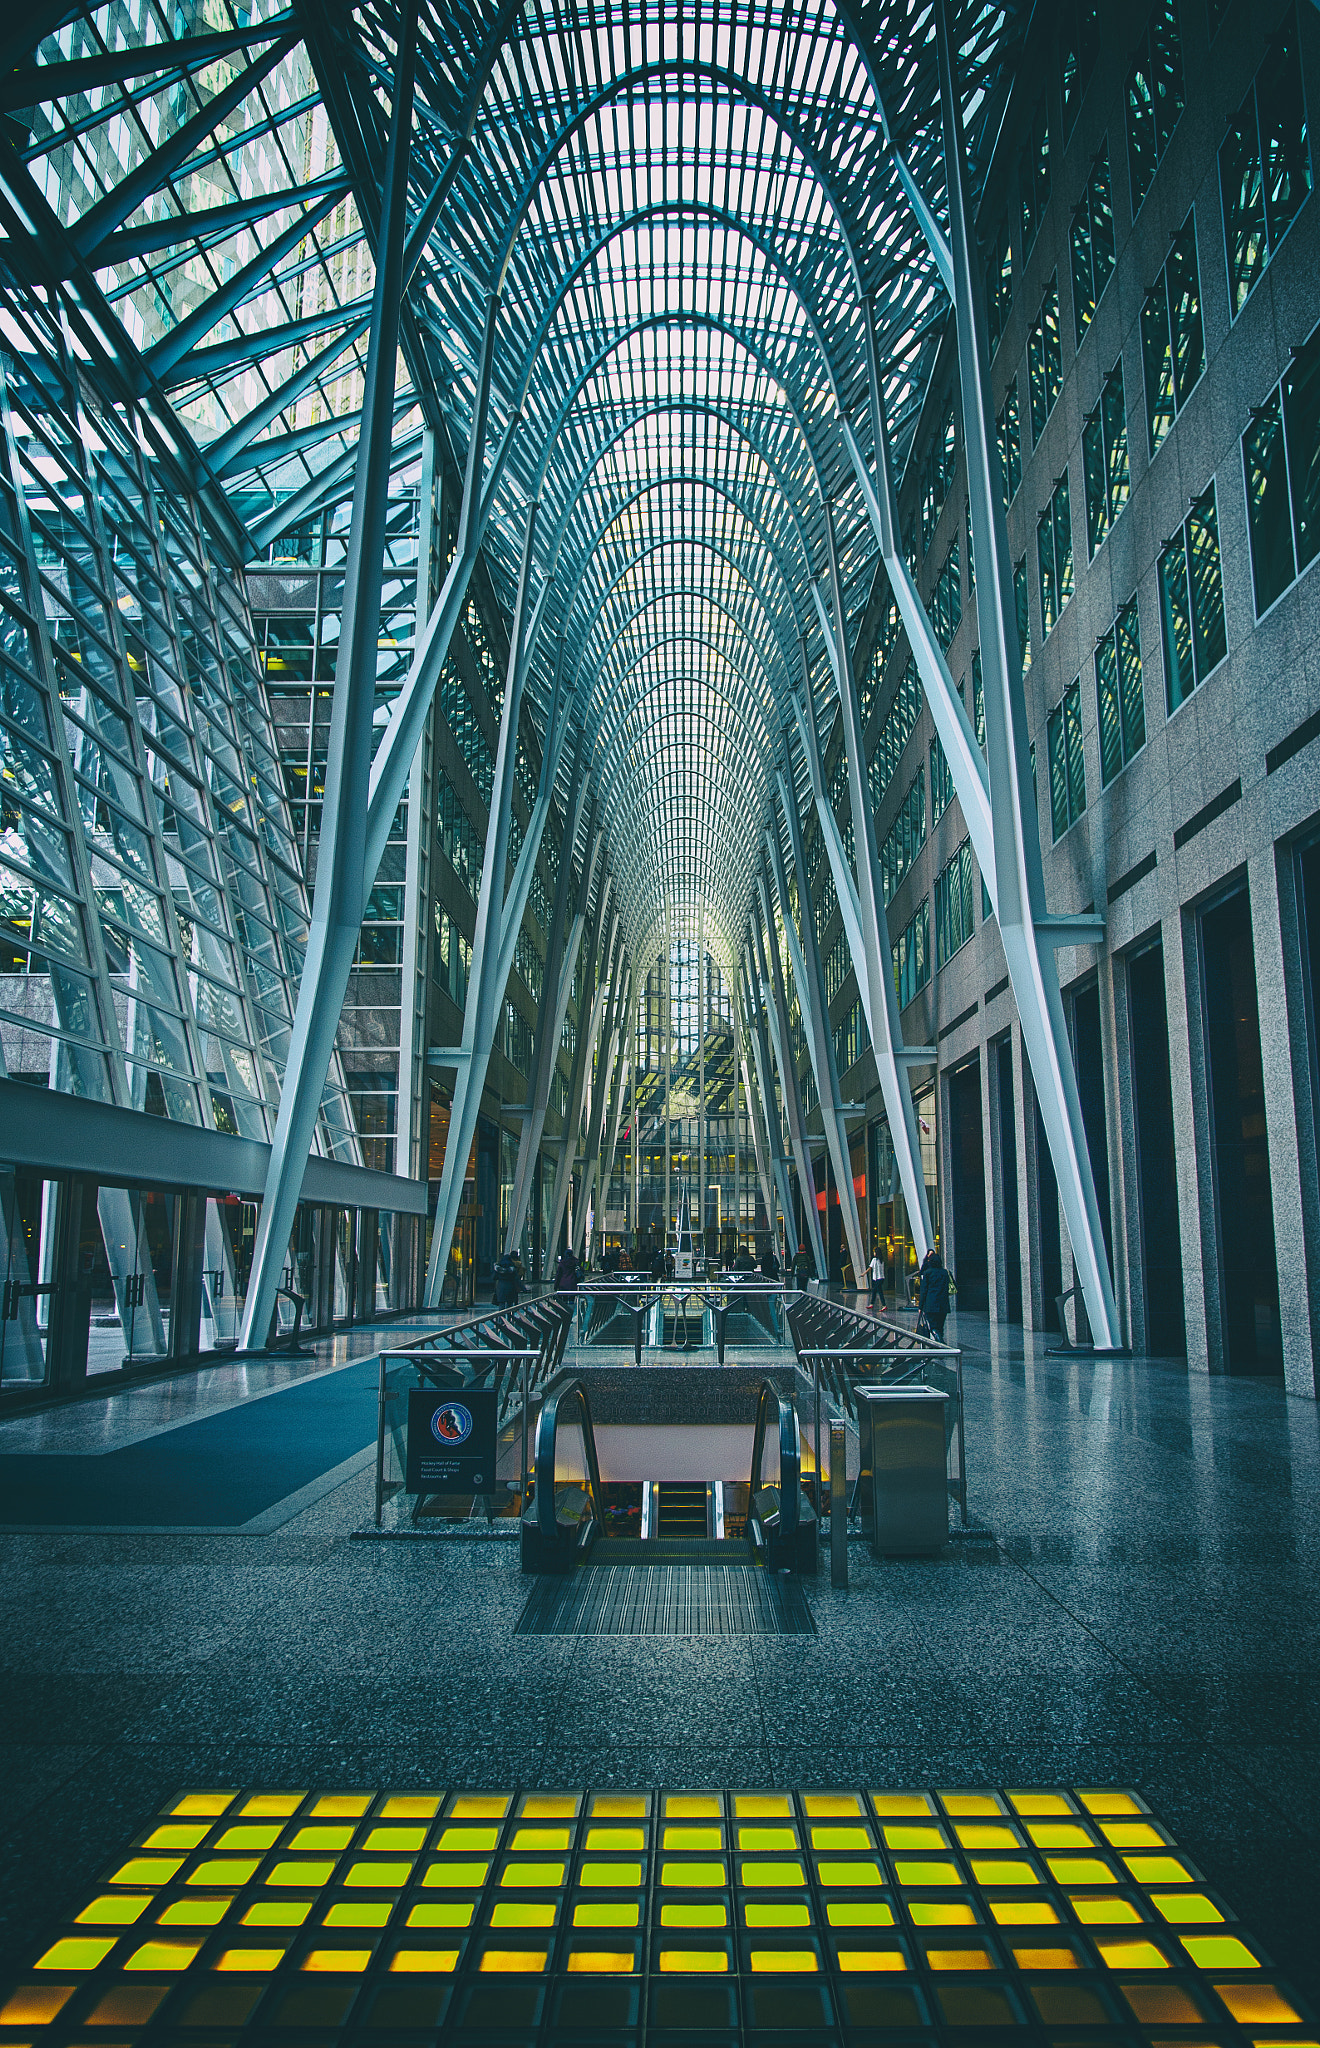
<point>1066,1916</point>
<point>673,1600</point>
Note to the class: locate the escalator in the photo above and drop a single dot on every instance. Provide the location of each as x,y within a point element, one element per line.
<point>566,1523</point>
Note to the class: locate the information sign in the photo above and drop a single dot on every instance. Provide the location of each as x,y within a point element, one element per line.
<point>451,1441</point>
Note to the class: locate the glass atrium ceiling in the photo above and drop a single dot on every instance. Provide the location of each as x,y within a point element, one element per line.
<point>675,216</point>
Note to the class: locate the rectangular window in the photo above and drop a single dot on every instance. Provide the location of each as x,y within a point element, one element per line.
<point>946,603</point>
<point>899,725</point>
<point>954,907</point>
<point>1281,460</point>
<point>999,286</point>
<point>1105,460</point>
<point>1034,178</point>
<point>1154,98</point>
<point>937,477</point>
<point>1010,443</point>
<point>1063,732</point>
<point>1172,340</point>
<point>1118,693</point>
<point>911,952</point>
<point>1054,555</point>
<point>1260,204</point>
<point>906,836</point>
<point>1079,46</point>
<point>1023,612</point>
<point>1192,602</point>
<point>885,640</point>
<point>1045,360</point>
<point>941,782</point>
<point>1092,243</point>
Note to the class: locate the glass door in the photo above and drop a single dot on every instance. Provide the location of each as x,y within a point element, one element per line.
<point>27,1282</point>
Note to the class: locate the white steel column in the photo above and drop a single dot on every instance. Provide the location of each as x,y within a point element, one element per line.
<point>577,1080</point>
<point>1029,934</point>
<point>783,1039</point>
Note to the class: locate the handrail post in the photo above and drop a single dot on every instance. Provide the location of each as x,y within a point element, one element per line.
<point>522,1498</point>
<point>838,1503</point>
<point>815,1364</point>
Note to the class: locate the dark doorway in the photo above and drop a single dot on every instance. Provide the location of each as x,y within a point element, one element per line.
<point>1157,1175</point>
<point>1253,1338</point>
<point>1008,1184</point>
<point>1051,1248</point>
<point>967,1152</point>
<point>1089,1055</point>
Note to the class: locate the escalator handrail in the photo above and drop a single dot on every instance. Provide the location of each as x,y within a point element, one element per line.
<point>547,1428</point>
<point>790,1456</point>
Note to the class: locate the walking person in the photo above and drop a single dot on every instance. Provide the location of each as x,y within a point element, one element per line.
<point>802,1267</point>
<point>933,1294</point>
<point>566,1271</point>
<point>876,1275</point>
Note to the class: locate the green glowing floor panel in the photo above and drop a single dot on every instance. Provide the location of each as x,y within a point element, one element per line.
<point>244,1919</point>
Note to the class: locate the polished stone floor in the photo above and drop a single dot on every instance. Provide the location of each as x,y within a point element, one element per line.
<point>1145,1616</point>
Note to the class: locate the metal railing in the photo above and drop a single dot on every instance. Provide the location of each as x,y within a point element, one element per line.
<point>560,1542</point>
<point>637,1312</point>
<point>776,1530</point>
<point>513,1352</point>
<point>840,1349</point>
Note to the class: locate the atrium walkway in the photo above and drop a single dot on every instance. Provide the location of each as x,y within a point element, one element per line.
<point>1144,1615</point>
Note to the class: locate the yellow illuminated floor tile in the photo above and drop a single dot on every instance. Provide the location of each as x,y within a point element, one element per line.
<point>446,1913</point>
<point>840,1838</point>
<point>194,1913</point>
<point>1186,1909</point>
<point>1131,1955</point>
<point>514,1962</point>
<point>1059,1835</point>
<point>424,1962</point>
<point>359,1913</point>
<point>341,1805</point>
<point>300,1873</point>
<point>115,1909</point>
<point>902,1805</point>
<point>776,1913</point>
<point>689,1876</point>
<point>468,1838</point>
<point>1002,1870</point>
<point>480,1806</point>
<point>703,1962</point>
<point>177,1837</point>
<point>694,1838</point>
<point>320,1839</point>
<point>1080,1870</point>
<point>609,1876</point>
<point>702,1914</point>
<point>277,1913</point>
<point>35,2005</point>
<point>619,1806</point>
<point>1258,2005</point>
<point>780,1838</point>
<point>249,1961</point>
<point>692,1806</point>
<point>915,1838</point>
<point>212,1803</point>
<point>772,1876</point>
<point>600,1962</point>
<point>606,1913</point>
<point>916,1874</point>
<point>831,1805</point>
<point>455,1877</point>
<point>869,1913</point>
<point>784,1962</point>
<point>163,1955</point>
<point>271,1804</point>
<point>969,1805</point>
<point>338,1962</point>
<point>411,1806</point>
<point>616,1838</point>
<point>970,1836</point>
<point>383,1877</point>
<point>1219,1952</point>
<point>960,1959</point>
<point>147,1870</point>
<point>524,1913</point>
<point>869,1961</point>
<point>854,1876</point>
<point>1046,1958</point>
<point>549,1806</point>
<point>1040,1805</point>
<point>1132,1834</point>
<point>541,1838</point>
<point>1024,1912</point>
<point>77,1952</point>
<point>225,1870</point>
<point>1105,1912</point>
<point>531,1876</point>
<point>762,1805</point>
<point>263,1835</point>
<point>1157,1870</point>
<point>1109,1802</point>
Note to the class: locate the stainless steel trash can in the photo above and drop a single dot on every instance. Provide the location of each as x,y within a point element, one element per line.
<point>903,1469</point>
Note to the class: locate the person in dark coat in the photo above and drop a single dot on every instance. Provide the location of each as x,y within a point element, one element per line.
<point>566,1271</point>
<point>933,1293</point>
<point>658,1264</point>
<point>803,1266</point>
<point>769,1263</point>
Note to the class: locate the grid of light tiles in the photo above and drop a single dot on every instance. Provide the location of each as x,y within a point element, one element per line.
<point>841,1917</point>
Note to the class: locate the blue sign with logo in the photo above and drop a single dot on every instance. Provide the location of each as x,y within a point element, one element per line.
<point>451,1441</point>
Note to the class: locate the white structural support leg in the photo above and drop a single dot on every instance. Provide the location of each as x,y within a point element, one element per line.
<point>592,1083</point>
<point>761,1151</point>
<point>499,917</point>
<point>344,868</point>
<point>578,1073</point>
<point>875,972</point>
<point>1028,933</point>
<point>611,1066</point>
<point>557,986</point>
<point>816,1018</point>
<point>788,1080</point>
<point>756,1006</point>
<point>624,1079</point>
